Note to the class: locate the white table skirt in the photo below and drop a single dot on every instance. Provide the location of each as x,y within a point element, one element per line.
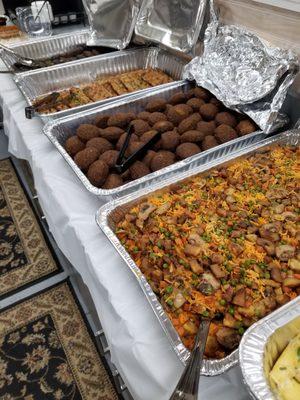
<point>139,347</point>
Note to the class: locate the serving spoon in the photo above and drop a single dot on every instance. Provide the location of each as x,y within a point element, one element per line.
<point>187,387</point>
<point>25,61</point>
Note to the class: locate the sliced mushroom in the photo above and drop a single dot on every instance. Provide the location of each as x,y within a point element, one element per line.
<point>228,337</point>
<point>196,267</point>
<point>282,299</point>
<point>212,280</point>
<point>228,295</point>
<point>163,208</point>
<point>217,258</point>
<point>192,250</point>
<point>291,282</point>
<point>270,231</point>
<point>294,264</point>
<point>217,271</point>
<point>190,327</point>
<point>205,288</point>
<point>195,239</point>
<point>236,248</point>
<point>230,321</point>
<point>276,274</point>
<point>284,252</point>
<point>179,300</point>
<point>145,211</point>
<point>270,282</point>
<point>240,298</point>
<point>267,245</point>
<point>251,237</point>
<point>230,199</point>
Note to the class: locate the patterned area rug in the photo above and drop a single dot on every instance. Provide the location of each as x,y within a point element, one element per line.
<point>46,352</point>
<point>24,254</point>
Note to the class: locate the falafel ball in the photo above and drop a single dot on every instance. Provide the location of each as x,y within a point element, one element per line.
<point>186,150</point>
<point>225,133</point>
<point>148,157</point>
<point>192,136</point>
<point>97,173</point>
<point>140,126</point>
<point>144,115</point>
<point>226,118</point>
<point>148,135</point>
<point>216,102</point>
<point>206,127</point>
<point>201,93</point>
<point>156,105</point>
<point>245,127</point>
<point>178,98</point>
<point>133,138</point>
<point>86,132</point>
<point>209,111</point>
<point>111,133</point>
<point>170,140</point>
<point>178,113</point>
<point>163,126</point>
<point>73,145</point>
<point>209,142</point>
<point>138,170</point>
<point>156,117</point>
<point>189,123</point>
<point>110,157</point>
<point>133,147</point>
<point>101,144</point>
<point>161,160</point>
<point>86,157</point>
<point>121,120</point>
<point>113,181</point>
<point>195,103</point>
<point>101,121</point>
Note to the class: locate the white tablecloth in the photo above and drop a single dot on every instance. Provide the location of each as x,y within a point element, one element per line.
<point>139,347</point>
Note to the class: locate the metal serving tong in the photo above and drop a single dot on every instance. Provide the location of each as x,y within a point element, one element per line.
<point>123,163</point>
<point>187,387</point>
<point>25,61</point>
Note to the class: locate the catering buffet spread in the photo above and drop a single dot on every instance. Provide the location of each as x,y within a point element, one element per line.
<point>204,206</point>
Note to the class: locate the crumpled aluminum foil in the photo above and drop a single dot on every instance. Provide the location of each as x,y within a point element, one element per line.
<point>111,21</point>
<point>245,74</point>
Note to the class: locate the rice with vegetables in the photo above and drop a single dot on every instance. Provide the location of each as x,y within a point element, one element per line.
<point>224,245</point>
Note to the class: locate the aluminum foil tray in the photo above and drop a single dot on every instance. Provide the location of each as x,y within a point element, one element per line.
<point>105,216</point>
<point>47,80</point>
<point>46,47</point>
<point>59,131</point>
<point>254,346</point>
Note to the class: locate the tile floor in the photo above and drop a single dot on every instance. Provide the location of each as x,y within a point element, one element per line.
<point>68,271</point>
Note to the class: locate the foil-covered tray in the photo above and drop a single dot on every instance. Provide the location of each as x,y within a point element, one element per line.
<point>112,21</point>
<point>105,217</point>
<point>259,349</point>
<point>245,73</point>
<point>171,23</point>
<point>34,84</point>
<point>59,131</point>
<point>45,47</point>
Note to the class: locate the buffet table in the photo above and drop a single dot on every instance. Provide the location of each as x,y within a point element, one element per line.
<point>139,347</point>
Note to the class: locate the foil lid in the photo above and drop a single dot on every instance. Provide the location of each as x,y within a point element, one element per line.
<point>245,74</point>
<point>175,24</point>
<point>111,21</point>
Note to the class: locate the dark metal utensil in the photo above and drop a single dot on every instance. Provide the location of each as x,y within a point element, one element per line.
<point>123,164</point>
<point>187,387</point>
